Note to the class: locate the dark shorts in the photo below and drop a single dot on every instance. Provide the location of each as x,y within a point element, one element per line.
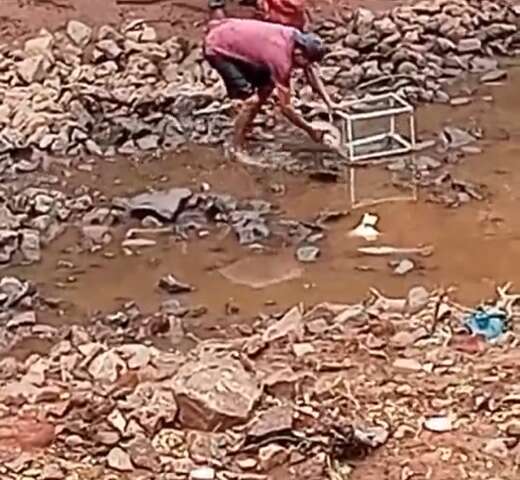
<point>242,79</point>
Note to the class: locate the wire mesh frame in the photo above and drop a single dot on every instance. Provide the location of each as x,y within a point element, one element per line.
<point>398,106</point>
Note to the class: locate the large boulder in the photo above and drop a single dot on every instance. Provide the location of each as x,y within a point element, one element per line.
<point>215,390</point>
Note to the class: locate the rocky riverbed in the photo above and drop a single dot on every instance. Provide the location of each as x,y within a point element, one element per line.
<point>166,313</point>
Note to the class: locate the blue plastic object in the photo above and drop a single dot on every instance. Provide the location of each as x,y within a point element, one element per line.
<point>488,322</point>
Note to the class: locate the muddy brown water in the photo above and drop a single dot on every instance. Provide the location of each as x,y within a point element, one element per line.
<point>476,246</point>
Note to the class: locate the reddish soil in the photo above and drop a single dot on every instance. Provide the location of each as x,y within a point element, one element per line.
<point>19,18</point>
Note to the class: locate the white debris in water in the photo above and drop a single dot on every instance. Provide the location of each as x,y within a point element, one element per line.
<point>367,228</point>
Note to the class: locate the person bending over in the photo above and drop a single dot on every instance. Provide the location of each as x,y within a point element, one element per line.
<point>255,59</point>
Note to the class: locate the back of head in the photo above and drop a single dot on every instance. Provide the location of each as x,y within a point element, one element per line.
<point>312,46</point>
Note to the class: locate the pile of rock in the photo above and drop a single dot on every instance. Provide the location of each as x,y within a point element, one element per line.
<point>296,390</point>
<point>421,48</point>
<point>34,216</point>
<point>123,91</point>
<point>252,221</point>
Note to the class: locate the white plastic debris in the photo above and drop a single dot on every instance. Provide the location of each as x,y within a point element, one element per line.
<point>366,228</point>
<point>202,473</point>
<point>439,424</point>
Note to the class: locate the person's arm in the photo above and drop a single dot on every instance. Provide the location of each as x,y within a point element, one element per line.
<point>314,79</point>
<point>284,102</point>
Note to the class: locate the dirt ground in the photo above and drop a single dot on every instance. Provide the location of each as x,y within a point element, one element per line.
<point>475,247</point>
<point>20,18</point>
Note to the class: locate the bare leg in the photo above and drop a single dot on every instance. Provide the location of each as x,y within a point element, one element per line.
<point>244,121</point>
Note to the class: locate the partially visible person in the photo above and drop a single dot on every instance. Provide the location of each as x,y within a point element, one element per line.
<point>255,59</point>
<point>293,13</point>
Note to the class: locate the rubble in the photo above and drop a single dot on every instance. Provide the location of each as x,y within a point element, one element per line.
<point>219,406</point>
<point>144,87</point>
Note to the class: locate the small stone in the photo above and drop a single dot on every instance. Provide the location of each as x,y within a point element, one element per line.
<point>469,45</point>
<point>79,33</point>
<point>30,245</point>
<point>104,367</point>
<point>93,148</point>
<point>149,142</point>
<point>404,266</point>
<point>513,428</point>
<point>138,243</point>
<point>408,364</point>
<point>494,76</point>
<point>438,424</point>
<point>117,420</point>
<point>271,421</point>
<point>22,319</point>
<point>271,456</point>
<point>143,455</point>
<point>417,298</point>
<point>496,448</point>
<point>109,48</point>
<point>107,437</point>
<point>247,463</point>
<point>32,69</point>
<point>459,101</point>
<point>307,254</point>
<point>170,284</point>
<point>98,234</point>
<point>302,349</point>
<point>40,45</point>
<point>203,473</point>
<point>119,460</point>
<point>51,471</point>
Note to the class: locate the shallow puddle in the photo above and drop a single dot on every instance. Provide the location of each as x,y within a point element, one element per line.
<point>476,246</point>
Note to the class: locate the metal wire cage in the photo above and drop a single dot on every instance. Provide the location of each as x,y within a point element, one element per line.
<point>386,107</point>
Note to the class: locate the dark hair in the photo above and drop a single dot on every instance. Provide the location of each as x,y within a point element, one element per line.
<point>313,48</point>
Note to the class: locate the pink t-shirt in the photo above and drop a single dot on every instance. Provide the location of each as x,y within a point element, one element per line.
<point>256,42</point>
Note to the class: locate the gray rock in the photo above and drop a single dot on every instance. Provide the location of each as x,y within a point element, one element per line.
<point>109,49</point>
<point>469,45</point>
<point>97,234</point>
<point>79,33</point>
<point>32,69</point>
<point>40,45</point>
<point>119,460</point>
<point>51,471</point>
<point>164,204</point>
<point>494,76</point>
<point>105,366</point>
<point>149,142</point>
<point>22,319</point>
<point>424,163</point>
<point>30,245</point>
<point>483,64</point>
<point>404,266</point>
<point>8,245</point>
<point>170,284</point>
<point>307,254</point>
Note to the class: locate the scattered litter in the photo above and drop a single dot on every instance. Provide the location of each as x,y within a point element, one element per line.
<point>439,424</point>
<point>367,228</point>
<point>202,473</point>
<point>424,251</point>
<point>488,322</point>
